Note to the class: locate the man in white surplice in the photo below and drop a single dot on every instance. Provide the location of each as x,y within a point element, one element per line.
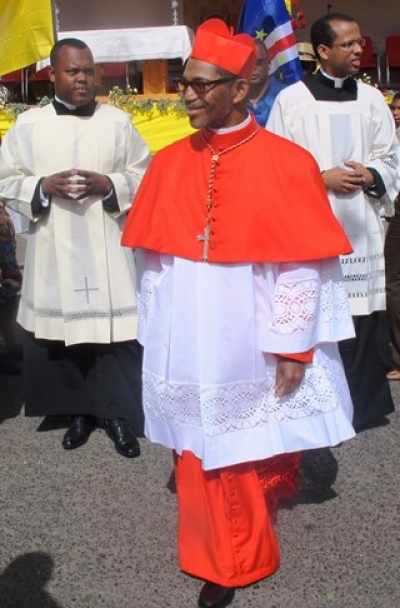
<point>347,126</point>
<point>73,168</point>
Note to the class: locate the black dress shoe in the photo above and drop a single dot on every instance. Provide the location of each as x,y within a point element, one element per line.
<point>215,596</point>
<point>125,441</point>
<point>79,432</point>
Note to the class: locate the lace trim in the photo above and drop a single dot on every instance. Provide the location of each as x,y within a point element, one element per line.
<point>391,160</point>
<point>350,259</point>
<point>295,307</point>
<point>365,276</point>
<point>365,294</point>
<point>223,408</point>
<point>299,306</point>
<point>54,313</point>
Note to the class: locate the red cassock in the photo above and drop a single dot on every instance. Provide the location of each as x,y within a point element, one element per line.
<point>269,202</point>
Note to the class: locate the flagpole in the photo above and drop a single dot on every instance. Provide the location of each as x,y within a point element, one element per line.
<point>54,12</point>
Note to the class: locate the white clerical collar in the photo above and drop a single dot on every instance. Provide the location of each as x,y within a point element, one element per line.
<point>64,103</point>
<point>337,81</point>
<point>234,128</point>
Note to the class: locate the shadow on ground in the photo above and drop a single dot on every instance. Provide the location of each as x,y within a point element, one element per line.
<point>23,581</point>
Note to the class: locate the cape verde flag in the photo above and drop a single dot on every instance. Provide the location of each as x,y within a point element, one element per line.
<point>269,21</point>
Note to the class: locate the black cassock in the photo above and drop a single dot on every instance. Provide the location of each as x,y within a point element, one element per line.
<point>102,380</point>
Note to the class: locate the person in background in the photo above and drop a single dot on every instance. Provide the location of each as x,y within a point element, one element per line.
<point>10,285</point>
<point>307,58</point>
<point>263,87</point>
<point>347,127</point>
<point>73,167</point>
<point>392,265</point>
<point>395,109</point>
<point>239,315</point>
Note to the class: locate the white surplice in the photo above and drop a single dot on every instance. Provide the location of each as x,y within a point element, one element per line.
<point>79,283</point>
<point>208,331</point>
<point>334,132</point>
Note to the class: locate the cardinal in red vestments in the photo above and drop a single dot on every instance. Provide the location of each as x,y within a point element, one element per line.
<point>242,303</point>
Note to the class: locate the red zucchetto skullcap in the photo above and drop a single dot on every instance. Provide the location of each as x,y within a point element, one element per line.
<point>215,44</point>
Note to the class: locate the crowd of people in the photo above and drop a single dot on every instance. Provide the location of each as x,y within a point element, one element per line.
<point>184,295</point>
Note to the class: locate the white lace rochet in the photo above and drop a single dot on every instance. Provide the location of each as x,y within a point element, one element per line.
<point>209,332</point>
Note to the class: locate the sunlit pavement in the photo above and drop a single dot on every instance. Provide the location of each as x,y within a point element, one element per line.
<point>90,529</point>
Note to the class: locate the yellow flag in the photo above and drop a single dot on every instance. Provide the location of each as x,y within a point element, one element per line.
<point>26,33</point>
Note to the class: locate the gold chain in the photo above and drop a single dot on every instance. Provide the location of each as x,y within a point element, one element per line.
<point>205,238</point>
<point>214,161</point>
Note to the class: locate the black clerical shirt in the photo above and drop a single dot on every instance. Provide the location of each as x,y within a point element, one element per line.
<point>87,109</point>
<point>323,88</point>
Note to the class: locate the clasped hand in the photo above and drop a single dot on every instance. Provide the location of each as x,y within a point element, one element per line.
<point>76,184</point>
<point>355,177</point>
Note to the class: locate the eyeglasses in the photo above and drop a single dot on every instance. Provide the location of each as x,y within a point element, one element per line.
<point>199,85</point>
<point>350,44</point>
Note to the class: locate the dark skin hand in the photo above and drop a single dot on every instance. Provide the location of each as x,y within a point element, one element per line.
<point>344,181</point>
<point>288,376</point>
<point>88,184</point>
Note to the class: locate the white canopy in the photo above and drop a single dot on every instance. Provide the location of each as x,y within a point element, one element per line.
<point>136,44</point>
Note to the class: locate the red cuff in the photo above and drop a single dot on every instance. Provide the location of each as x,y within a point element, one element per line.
<point>306,357</point>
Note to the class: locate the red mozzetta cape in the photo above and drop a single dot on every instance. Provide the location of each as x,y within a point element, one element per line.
<point>269,202</point>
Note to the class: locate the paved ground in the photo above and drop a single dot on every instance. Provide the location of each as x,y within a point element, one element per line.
<point>91,529</point>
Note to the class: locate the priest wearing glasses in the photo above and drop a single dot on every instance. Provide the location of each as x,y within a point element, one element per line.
<point>241,304</point>
<point>347,127</point>
<point>73,168</point>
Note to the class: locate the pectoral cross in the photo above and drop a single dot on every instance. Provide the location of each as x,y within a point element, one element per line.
<point>206,238</point>
<point>87,289</point>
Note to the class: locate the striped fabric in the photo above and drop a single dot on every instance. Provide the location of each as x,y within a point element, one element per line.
<point>270,21</point>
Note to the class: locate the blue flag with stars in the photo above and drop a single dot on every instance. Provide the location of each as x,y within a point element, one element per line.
<point>269,21</point>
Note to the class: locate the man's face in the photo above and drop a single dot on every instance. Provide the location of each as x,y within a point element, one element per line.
<point>73,75</point>
<point>395,109</point>
<point>260,72</point>
<point>339,61</point>
<point>213,108</point>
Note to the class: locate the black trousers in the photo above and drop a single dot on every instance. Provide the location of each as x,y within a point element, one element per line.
<point>102,380</point>
<point>366,370</point>
<point>392,271</point>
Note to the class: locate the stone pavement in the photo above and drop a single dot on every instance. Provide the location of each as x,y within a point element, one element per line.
<point>91,529</point>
